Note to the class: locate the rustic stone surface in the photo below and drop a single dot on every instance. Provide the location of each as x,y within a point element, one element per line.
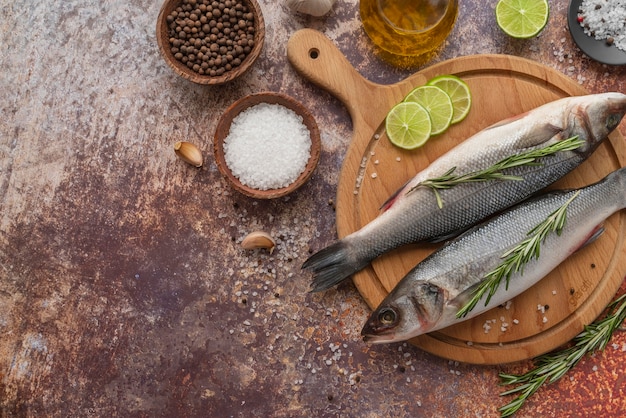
<point>123,289</point>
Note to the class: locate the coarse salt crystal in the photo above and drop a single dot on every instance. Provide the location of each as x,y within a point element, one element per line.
<point>268,146</point>
<point>604,20</point>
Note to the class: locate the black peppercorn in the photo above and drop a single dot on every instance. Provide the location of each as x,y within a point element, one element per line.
<point>211,36</point>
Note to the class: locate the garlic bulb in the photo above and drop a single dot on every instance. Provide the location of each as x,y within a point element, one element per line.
<point>311,7</point>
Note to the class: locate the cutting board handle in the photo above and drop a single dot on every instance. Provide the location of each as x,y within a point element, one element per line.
<point>317,59</point>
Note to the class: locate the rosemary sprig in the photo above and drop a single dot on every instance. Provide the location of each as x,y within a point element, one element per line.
<point>528,158</point>
<point>552,366</point>
<point>517,257</point>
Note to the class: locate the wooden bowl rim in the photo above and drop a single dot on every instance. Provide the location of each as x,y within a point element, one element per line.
<point>223,128</point>
<point>184,71</point>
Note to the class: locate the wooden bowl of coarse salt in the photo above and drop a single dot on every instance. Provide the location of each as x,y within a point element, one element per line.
<point>266,145</point>
<point>210,42</point>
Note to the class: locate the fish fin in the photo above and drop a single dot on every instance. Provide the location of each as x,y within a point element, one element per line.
<point>462,298</point>
<point>594,236</point>
<point>331,265</point>
<point>392,199</point>
<point>538,135</point>
<point>446,237</point>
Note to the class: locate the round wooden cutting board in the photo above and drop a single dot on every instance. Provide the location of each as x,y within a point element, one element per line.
<point>547,315</point>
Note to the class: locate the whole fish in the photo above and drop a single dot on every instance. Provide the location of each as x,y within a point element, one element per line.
<point>413,215</point>
<point>430,295</point>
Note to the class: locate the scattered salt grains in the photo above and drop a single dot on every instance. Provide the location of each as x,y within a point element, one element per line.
<point>490,323</point>
<point>487,326</point>
<point>604,20</point>
<point>355,378</point>
<point>268,146</point>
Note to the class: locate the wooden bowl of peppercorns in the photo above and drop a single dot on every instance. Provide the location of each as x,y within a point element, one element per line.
<point>210,41</point>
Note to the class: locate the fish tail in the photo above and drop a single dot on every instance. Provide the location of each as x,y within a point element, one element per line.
<point>331,265</point>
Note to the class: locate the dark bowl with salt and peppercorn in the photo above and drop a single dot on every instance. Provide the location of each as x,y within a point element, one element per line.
<point>210,42</point>
<point>601,50</point>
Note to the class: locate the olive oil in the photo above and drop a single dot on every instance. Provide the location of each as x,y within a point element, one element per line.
<point>407,32</point>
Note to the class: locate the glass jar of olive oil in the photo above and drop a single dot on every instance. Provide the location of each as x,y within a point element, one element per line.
<point>408,32</point>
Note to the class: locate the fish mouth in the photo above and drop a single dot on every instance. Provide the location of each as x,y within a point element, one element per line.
<point>374,334</point>
<point>375,338</point>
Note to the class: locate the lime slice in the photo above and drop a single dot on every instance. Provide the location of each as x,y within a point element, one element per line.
<point>437,103</point>
<point>408,125</point>
<point>459,94</point>
<point>522,18</point>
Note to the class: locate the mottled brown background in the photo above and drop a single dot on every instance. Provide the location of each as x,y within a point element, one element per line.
<point>123,289</point>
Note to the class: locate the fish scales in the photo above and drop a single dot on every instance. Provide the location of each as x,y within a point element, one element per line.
<point>463,204</point>
<point>451,272</point>
<point>413,214</point>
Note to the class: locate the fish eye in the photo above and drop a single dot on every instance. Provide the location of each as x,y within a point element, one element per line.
<point>387,316</point>
<point>613,120</point>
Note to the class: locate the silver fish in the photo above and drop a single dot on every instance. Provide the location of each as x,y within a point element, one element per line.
<point>413,215</point>
<point>430,295</point>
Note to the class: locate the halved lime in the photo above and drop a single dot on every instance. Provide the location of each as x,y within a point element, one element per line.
<point>522,18</point>
<point>437,103</point>
<point>408,125</point>
<point>459,94</point>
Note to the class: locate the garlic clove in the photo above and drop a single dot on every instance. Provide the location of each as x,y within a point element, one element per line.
<point>189,153</point>
<point>258,239</point>
<point>311,7</point>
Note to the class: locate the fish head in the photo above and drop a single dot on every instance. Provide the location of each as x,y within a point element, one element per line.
<point>595,116</point>
<point>405,313</point>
